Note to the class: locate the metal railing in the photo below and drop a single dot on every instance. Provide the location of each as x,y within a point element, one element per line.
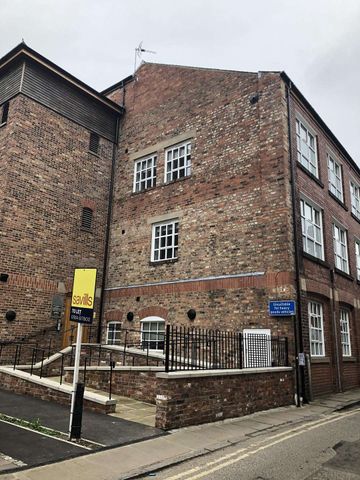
<point>200,349</point>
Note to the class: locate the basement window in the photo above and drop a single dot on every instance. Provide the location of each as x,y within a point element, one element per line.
<point>152,333</point>
<point>86,219</point>
<point>94,143</point>
<point>4,113</point>
<point>113,333</point>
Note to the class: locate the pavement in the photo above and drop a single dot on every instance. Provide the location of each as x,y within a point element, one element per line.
<point>148,456</point>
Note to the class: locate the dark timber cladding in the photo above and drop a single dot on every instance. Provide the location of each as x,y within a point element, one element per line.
<point>57,94</point>
<point>10,80</point>
<point>25,71</point>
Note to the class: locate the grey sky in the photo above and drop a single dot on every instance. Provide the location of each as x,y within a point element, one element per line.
<point>316,42</point>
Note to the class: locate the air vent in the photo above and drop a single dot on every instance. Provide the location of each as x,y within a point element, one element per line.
<point>94,143</point>
<point>4,114</point>
<point>86,218</point>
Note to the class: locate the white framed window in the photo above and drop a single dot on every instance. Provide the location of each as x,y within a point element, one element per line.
<point>165,238</point>
<point>153,333</point>
<point>144,173</point>
<point>345,333</point>
<point>257,347</point>
<point>178,161</point>
<point>335,178</point>
<point>357,256</point>
<point>113,333</point>
<point>340,249</point>
<point>312,229</point>
<point>306,148</point>
<point>355,199</point>
<point>316,327</point>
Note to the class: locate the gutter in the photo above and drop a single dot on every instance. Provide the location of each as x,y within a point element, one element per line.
<point>299,346</point>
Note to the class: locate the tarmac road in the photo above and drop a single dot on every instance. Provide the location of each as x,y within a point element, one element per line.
<point>34,448</point>
<point>324,449</point>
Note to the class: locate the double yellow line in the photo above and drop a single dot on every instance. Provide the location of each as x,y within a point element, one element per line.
<point>226,460</point>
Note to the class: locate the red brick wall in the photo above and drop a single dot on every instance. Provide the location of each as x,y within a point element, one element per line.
<point>233,208</point>
<point>140,385</point>
<point>50,176</point>
<point>21,386</point>
<point>318,275</point>
<point>196,400</point>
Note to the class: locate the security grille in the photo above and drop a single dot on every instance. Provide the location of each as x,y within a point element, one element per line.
<point>86,218</point>
<point>94,143</point>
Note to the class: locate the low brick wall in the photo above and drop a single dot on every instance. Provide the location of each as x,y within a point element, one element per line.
<point>202,397</point>
<point>25,387</point>
<point>139,384</point>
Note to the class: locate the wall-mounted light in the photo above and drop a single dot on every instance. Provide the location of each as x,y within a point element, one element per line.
<point>191,314</point>
<point>130,316</point>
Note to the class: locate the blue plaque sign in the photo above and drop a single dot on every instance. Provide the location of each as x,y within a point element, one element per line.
<point>282,308</point>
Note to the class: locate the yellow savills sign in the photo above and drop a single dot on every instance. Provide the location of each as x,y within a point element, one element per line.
<point>83,294</point>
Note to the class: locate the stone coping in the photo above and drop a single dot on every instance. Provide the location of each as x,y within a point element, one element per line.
<point>106,368</point>
<point>220,373</point>
<point>129,350</point>
<point>45,382</point>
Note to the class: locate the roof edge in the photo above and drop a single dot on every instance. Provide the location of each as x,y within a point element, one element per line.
<point>321,122</point>
<point>22,50</point>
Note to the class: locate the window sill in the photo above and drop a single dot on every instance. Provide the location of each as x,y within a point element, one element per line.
<point>355,217</point>
<point>316,260</point>
<point>3,124</point>
<point>349,359</point>
<point>342,204</point>
<point>94,154</point>
<point>344,274</point>
<point>182,179</point>
<point>319,182</point>
<point>165,184</point>
<point>320,360</point>
<point>149,189</point>
<point>162,262</point>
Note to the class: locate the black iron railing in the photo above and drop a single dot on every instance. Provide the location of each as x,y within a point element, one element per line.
<point>200,349</point>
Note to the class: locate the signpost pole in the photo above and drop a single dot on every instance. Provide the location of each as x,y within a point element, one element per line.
<point>76,373</point>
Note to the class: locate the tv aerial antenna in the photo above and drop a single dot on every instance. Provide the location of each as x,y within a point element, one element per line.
<point>138,55</point>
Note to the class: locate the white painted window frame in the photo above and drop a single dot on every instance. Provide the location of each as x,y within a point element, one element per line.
<point>304,147</point>
<point>335,177</point>
<point>345,332</point>
<point>144,173</point>
<point>164,242</point>
<point>108,332</point>
<point>357,257</point>
<point>156,335</point>
<point>355,198</point>
<point>341,255</point>
<point>310,223</point>
<point>316,329</point>
<point>173,157</point>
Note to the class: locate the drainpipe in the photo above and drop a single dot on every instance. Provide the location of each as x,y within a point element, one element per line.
<point>107,234</point>
<point>335,328</point>
<point>299,370</point>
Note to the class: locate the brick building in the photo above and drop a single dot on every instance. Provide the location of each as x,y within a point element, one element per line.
<point>228,190</point>
<point>57,137</point>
